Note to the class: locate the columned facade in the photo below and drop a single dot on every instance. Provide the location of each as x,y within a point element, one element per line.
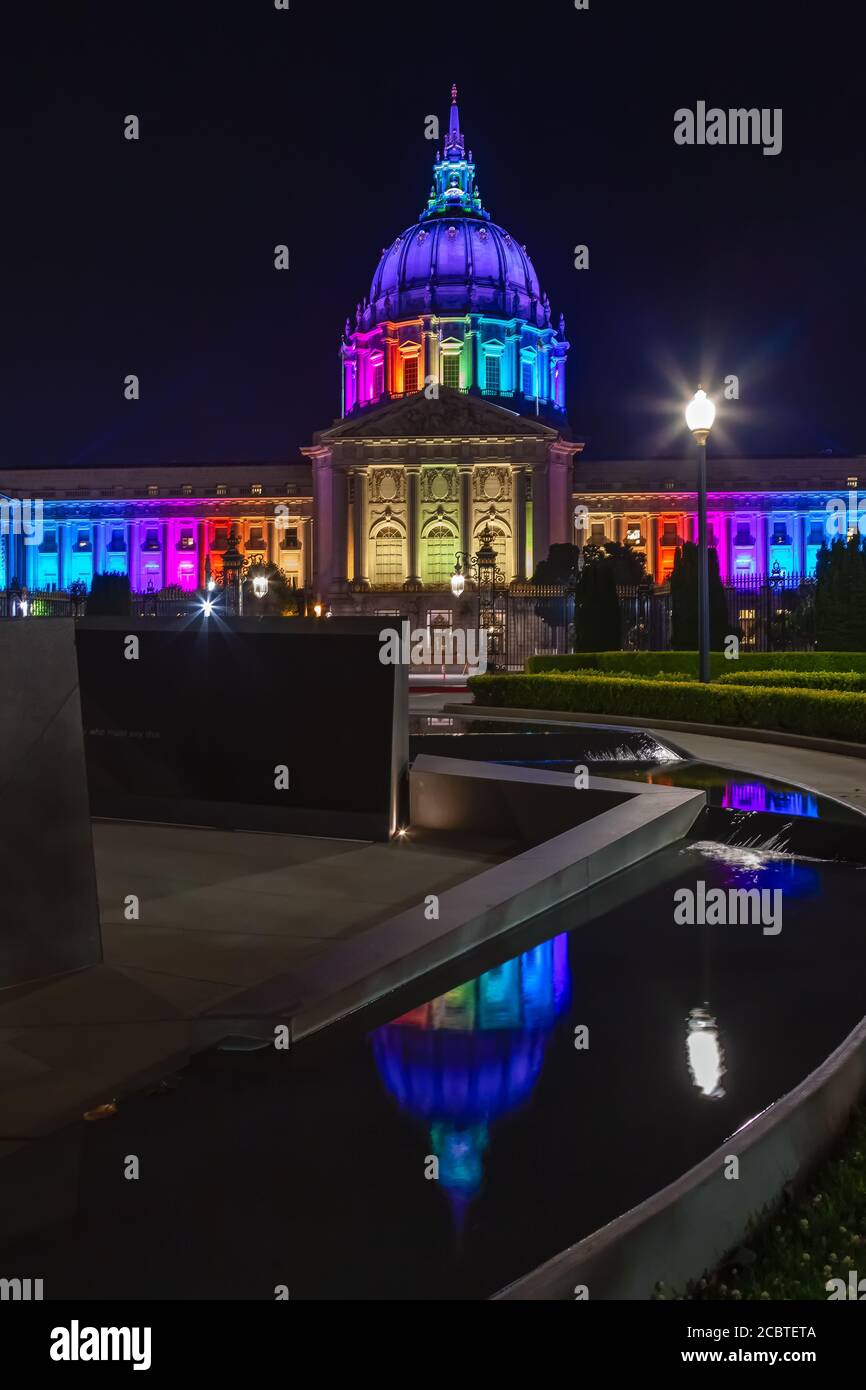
<point>160,526</point>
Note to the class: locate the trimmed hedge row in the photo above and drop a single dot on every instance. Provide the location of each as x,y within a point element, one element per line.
<point>802,680</point>
<point>822,713</point>
<point>655,663</point>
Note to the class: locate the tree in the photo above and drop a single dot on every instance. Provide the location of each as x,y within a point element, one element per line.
<point>596,606</point>
<point>281,600</point>
<point>561,565</point>
<point>840,596</point>
<point>684,600</point>
<point>597,621</point>
<point>108,597</point>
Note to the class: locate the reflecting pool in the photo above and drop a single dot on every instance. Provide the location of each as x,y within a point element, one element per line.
<point>554,1080</point>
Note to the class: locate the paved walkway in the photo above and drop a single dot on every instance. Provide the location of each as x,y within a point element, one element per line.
<point>218,913</point>
<point>831,774</point>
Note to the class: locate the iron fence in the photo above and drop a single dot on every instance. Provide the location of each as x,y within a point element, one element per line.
<point>767,612</point>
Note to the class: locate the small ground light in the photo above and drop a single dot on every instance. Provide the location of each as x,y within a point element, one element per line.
<point>403,832</point>
<point>317,609</point>
<point>207,608</point>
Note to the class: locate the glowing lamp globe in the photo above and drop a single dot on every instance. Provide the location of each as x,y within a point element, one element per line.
<point>700,414</point>
<point>458,583</point>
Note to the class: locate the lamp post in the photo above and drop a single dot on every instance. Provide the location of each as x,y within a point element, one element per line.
<point>483,568</point>
<point>700,414</point>
<point>233,568</point>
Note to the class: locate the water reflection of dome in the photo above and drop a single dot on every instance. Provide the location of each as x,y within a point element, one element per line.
<point>470,1055</point>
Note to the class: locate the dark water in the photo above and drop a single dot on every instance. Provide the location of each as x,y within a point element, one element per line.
<point>308,1169</point>
<point>536,745</point>
<point>609,751</point>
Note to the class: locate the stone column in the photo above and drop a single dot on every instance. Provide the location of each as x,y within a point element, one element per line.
<point>762,537</point>
<point>66,542</point>
<point>466,508</point>
<point>361,527</point>
<point>518,527</point>
<point>322,511</point>
<point>800,543</point>
<point>540,513</point>
<point>428,351</point>
<point>30,565</point>
<point>559,482</point>
<point>412,517</point>
<point>654,561</point>
<point>305,531</point>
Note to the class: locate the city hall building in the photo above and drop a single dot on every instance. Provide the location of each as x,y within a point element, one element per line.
<point>452,427</point>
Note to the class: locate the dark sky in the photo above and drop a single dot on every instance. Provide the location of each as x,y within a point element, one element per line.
<point>307,127</point>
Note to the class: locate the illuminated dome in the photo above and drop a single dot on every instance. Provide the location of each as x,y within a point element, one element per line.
<point>455,265</point>
<point>454,259</point>
<point>455,300</point>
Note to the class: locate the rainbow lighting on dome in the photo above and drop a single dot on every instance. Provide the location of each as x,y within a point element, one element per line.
<point>469,1056</point>
<point>455,302</point>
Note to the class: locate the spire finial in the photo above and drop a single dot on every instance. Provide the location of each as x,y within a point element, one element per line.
<point>454,144</point>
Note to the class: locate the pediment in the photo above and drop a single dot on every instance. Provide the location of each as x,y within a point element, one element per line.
<point>452,413</point>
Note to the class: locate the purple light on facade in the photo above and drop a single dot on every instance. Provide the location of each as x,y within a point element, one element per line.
<point>756,796</point>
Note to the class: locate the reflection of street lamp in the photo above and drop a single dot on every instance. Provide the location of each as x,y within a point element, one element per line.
<point>705,1054</point>
<point>700,414</point>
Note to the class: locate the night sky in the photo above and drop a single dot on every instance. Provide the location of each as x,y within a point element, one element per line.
<point>260,127</point>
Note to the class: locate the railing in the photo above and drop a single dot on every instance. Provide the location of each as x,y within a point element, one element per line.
<point>766,612</point>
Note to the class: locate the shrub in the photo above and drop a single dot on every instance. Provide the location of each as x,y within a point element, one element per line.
<point>684,598</point>
<point>109,596</point>
<point>655,663</point>
<point>802,680</point>
<point>822,713</point>
<point>840,594</point>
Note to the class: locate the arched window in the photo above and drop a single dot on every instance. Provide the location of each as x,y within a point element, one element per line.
<point>390,570</point>
<point>441,549</point>
<point>500,545</point>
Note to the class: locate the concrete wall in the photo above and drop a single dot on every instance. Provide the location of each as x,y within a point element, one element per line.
<point>50,917</point>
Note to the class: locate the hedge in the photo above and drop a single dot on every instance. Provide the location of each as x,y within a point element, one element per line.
<point>655,663</point>
<point>802,680</point>
<point>822,713</point>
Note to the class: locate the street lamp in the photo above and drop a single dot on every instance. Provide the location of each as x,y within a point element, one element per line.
<point>260,585</point>
<point>700,414</point>
<point>483,568</point>
<point>233,567</point>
